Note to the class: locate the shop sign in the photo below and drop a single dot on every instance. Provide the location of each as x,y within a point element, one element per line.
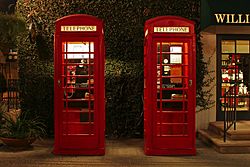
<point>78,28</point>
<point>172,29</point>
<point>232,18</point>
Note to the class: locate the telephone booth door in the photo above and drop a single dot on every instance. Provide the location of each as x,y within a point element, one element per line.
<point>169,93</point>
<point>79,86</point>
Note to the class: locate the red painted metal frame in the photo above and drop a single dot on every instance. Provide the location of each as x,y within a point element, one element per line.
<point>176,142</point>
<point>72,135</point>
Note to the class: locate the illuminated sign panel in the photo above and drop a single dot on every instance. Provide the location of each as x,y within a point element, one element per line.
<point>78,28</point>
<point>172,29</point>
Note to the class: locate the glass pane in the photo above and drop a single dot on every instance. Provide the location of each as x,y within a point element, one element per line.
<point>165,58</point>
<point>242,104</point>
<point>158,46</point>
<point>175,49</point>
<point>175,53</point>
<point>227,46</point>
<point>225,59</point>
<point>165,47</point>
<point>225,56</point>
<point>91,46</point>
<point>242,46</point>
<point>78,47</point>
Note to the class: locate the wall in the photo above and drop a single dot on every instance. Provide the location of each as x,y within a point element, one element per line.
<point>209,50</point>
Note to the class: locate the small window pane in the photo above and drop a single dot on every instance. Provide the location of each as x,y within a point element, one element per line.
<point>242,46</point>
<point>228,46</point>
<point>78,47</point>
<point>165,47</point>
<point>158,46</point>
<point>224,59</point>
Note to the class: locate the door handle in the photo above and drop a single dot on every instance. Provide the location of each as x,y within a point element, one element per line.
<point>190,82</point>
<point>59,82</point>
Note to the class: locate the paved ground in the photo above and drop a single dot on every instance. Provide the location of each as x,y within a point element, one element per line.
<point>118,153</point>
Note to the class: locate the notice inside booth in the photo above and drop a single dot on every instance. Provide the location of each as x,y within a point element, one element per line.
<point>79,86</point>
<point>169,86</point>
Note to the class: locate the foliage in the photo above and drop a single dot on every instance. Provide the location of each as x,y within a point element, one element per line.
<point>36,80</point>
<point>124,82</point>
<point>21,127</point>
<point>3,109</point>
<point>204,79</point>
<point>124,22</point>
<point>10,27</point>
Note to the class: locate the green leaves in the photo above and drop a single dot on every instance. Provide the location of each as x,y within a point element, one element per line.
<point>124,91</point>
<point>22,127</point>
<point>10,27</point>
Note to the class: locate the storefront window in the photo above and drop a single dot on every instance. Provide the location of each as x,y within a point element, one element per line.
<point>234,54</point>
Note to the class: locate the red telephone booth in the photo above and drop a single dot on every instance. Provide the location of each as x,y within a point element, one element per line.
<point>79,86</point>
<point>169,86</point>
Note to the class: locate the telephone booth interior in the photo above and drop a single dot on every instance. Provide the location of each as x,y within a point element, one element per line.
<point>79,86</point>
<point>169,86</point>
